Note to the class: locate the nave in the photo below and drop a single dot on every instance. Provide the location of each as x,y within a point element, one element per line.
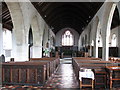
<point>64,77</point>
<point>36,38</point>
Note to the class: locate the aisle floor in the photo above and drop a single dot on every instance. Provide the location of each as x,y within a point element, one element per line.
<point>64,77</point>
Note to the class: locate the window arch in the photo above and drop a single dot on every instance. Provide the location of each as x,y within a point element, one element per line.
<point>67,38</point>
<point>114,40</point>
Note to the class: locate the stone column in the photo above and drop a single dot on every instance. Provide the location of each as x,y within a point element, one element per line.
<point>20,46</point>
<point>45,38</point>
<point>37,51</point>
<point>1,40</point>
<point>96,48</point>
<point>1,52</point>
<point>37,47</point>
<point>118,5</point>
<point>90,50</point>
<point>106,24</point>
<point>21,52</point>
<point>95,24</point>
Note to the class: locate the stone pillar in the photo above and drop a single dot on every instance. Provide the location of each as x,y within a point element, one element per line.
<point>118,5</point>
<point>1,52</point>
<point>119,41</point>
<point>90,50</point>
<point>21,52</point>
<point>20,46</point>
<point>37,47</point>
<point>37,52</point>
<point>1,44</point>
<point>106,24</point>
<point>13,52</point>
<point>1,40</point>
<point>105,49</point>
<point>95,49</point>
<point>45,38</point>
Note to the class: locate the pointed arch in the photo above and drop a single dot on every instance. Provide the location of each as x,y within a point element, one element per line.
<point>30,42</point>
<point>18,22</point>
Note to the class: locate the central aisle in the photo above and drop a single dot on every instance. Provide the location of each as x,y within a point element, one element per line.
<point>64,77</point>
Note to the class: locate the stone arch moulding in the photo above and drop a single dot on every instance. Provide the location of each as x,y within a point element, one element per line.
<point>118,6</point>
<point>106,24</point>
<point>96,23</point>
<point>37,39</point>
<point>36,34</point>
<point>18,22</point>
<point>20,50</point>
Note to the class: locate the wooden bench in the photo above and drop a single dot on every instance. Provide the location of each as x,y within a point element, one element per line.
<point>56,60</point>
<point>113,74</point>
<point>85,58</point>
<point>24,73</point>
<point>53,63</point>
<point>96,65</point>
<point>115,59</point>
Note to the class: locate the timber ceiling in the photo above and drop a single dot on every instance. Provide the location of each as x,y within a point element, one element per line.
<point>59,15</point>
<point>6,18</point>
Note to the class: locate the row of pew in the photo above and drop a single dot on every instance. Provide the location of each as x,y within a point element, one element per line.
<point>35,72</point>
<point>98,66</point>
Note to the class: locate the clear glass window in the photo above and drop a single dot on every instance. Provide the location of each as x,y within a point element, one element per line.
<point>67,38</point>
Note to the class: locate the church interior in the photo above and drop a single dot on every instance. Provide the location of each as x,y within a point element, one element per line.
<point>59,45</point>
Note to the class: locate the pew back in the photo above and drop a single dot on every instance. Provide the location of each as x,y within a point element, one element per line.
<point>24,73</point>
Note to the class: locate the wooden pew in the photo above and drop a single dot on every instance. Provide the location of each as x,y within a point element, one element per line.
<point>96,65</point>
<point>113,75</point>
<point>56,60</point>
<point>24,73</point>
<point>53,63</point>
<point>86,58</point>
<point>115,59</point>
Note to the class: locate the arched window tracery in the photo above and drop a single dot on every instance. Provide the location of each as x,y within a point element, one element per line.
<point>67,38</point>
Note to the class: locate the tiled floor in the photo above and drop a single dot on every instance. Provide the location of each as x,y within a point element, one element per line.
<point>63,78</point>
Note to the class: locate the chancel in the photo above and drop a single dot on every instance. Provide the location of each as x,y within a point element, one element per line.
<point>46,45</point>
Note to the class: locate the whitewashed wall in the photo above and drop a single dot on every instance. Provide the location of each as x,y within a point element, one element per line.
<point>58,37</point>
